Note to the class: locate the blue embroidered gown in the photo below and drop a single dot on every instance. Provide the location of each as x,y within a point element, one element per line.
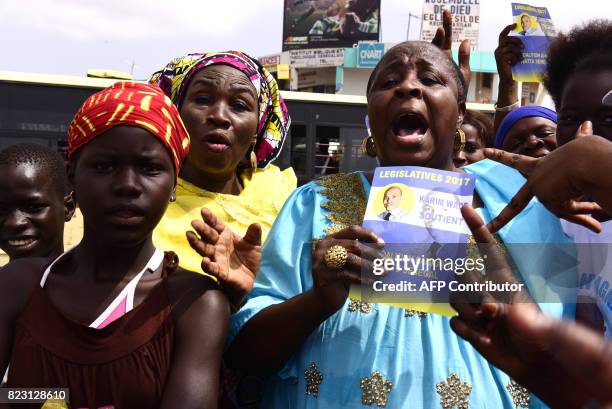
<point>373,355</point>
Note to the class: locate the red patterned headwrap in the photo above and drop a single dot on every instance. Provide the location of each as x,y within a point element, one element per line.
<point>134,104</point>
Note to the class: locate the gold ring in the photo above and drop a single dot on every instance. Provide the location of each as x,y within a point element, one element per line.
<point>335,257</point>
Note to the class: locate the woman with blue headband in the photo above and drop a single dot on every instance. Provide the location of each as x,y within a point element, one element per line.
<point>528,130</point>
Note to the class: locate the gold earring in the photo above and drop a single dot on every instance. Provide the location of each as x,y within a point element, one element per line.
<point>253,158</point>
<point>173,196</point>
<point>459,140</point>
<point>369,146</point>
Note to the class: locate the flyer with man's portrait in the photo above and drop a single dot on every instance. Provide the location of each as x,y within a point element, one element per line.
<point>417,212</point>
<point>536,30</point>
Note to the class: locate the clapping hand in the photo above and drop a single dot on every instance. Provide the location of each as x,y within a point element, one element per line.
<point>232,259</point>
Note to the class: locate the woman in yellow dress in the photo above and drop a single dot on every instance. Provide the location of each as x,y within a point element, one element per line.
<point>237,120</point>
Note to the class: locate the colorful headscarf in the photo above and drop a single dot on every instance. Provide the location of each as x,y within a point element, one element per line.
<point>135,104</point>
<point>274,119</point>
<point>518,114</point>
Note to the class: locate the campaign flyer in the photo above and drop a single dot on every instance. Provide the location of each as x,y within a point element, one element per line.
<point>536,30</point>
<point>417,211</point>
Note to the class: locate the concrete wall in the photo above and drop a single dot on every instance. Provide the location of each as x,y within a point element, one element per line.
<point>355,81</point>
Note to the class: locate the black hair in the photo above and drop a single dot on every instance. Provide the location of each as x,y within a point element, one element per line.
<point>393,187</point>
<point>483,125</point>
<point>409,48</point>
<point>44,158</point>
<point>585,48</point>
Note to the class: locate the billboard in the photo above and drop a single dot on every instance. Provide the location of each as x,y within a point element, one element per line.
<point>329,23</point>
<point>466,20</point>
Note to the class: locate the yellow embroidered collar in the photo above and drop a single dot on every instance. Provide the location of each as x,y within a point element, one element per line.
<point>346,200</point>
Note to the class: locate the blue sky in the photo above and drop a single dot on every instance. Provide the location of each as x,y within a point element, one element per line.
<point>71,36</point>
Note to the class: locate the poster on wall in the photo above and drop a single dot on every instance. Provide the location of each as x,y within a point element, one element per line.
<point>329,23</point>
<point>466,20</point>
<point>535,29</point>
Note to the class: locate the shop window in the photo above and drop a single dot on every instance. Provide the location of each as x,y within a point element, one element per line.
<point>328,150</point>
<point>298,150</point>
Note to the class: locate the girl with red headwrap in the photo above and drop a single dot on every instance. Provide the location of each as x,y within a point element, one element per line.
<point>115,320</point>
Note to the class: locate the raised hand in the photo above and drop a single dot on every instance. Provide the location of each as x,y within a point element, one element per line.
<point>498,333</point>
<point>234,260</point>
<point>557,185</point>
<point>444,40</point>
<point>567,365</point>
<point>481,322</point>
<point>495,258</point>
<point>508,53</point>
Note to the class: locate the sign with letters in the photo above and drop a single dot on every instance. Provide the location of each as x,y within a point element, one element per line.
<point>325,57</point>
<point>466,20</point>
<point>369,54</point>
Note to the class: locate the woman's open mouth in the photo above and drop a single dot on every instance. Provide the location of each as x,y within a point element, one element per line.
<point>216,142</point>
<point>410,128</point>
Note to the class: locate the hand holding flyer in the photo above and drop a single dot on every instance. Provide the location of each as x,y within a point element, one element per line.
<point>417,211</point>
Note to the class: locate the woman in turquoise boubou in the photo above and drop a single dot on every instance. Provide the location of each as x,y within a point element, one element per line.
<point>322,349</point>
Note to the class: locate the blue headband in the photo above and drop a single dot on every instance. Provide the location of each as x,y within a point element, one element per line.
<point>518,114</point>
